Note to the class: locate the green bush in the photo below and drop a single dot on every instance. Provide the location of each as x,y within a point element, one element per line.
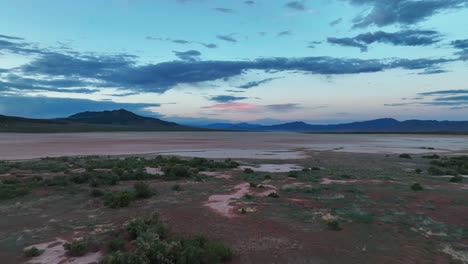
<point>176,188</point>
<point>96,193</point>
<point>174,172</point>
<point>32,252</point>
<point>333,225</point>
<point>273,195</point>
<point>418,171</point>
<point>115,244</point>
<point>142,190</point>
<point>435,171</point>
<point>457,178</point>
<point>118,199</point>
<point>405,156</point>
<point>416,187</point>
<point>10,191</point>
<point>78,248</point>
<point>249,171</point>
<point>293,174</point>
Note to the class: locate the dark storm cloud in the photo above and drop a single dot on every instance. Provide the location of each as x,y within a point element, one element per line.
<point>226,98</point>
<point>405,12</point>
<point>47,107</point>
<point>227,38</point>
<point>400,38</point>
<point>296,5</point>
<point>256,83</point>
<point>190,55</point>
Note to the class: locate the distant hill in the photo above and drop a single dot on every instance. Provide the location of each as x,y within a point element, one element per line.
<point>384,125</point>
<point>117,120</point>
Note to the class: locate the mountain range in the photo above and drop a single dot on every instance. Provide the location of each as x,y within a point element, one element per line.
<point>116,120</point>
<point>123,120</point>
<point>378,125</point>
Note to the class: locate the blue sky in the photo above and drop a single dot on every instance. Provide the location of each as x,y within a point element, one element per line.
<point>265,61</point>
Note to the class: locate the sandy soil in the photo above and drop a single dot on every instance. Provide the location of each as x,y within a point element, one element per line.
<point>259,145</point>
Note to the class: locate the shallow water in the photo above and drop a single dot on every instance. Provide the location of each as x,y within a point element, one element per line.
<point>252,145</point>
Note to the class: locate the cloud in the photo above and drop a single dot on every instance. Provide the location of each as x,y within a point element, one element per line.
<point>444,92</point>
<point>296,5</point>
<point>400,38</point>
<point>336,22</point>
<point>224,10</point>
<point>10,37</point>
<point>190,55</point>
<point>48,107</point>
<point>256,83</point>
<point>226,98</point>
<point>233,106</point>
<point>227,38</point>
<point>453,98</point>
<point>283,107</point>
<point>249,2</point>
<point>462,45</point>
<point>121,71</point>
<point>405,12</point>
<point>285,33</point>
<point>183,42</point>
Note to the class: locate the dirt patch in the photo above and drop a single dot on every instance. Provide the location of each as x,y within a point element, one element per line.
<point>54,253</point>
<point>217,174</point>
<point>222,203</point>
<point>154,171</point>
<point>273,167</point>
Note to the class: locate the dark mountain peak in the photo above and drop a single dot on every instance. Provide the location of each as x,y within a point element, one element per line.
<point>109,113</point>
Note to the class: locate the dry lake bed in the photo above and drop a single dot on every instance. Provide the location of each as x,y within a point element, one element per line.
<point>254,197</point>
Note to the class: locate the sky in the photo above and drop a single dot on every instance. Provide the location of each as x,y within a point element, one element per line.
<point>258,61</point>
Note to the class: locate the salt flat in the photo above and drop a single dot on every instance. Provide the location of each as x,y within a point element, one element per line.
<point>260,145</point>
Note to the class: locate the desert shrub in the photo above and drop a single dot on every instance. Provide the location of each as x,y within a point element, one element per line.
<point>79,178</point>
<point>32,252</point>
<point>457,178</point>
<point>267,177</point>
<point>10,191</point>
<point>416,187</point>
<point>273,195</point>
<point>418,171</point>
<point>96,193</point>
<point>11,181</point>
<point>293,174</point>
<point>405,156</point>
<point>248,196</point>
<point>253,184</point>
<point>118,199</point>
<point>174,172</point>
<point>57,181</point>
<point>136,227</point>
<point>142,190</point>
<point>433,156</point>
<point>333,225</point>
<point>176,188</point>
<point>435,171</point>
<point>80,247</point>
<point>248,171</point>
<point>115,244</point>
